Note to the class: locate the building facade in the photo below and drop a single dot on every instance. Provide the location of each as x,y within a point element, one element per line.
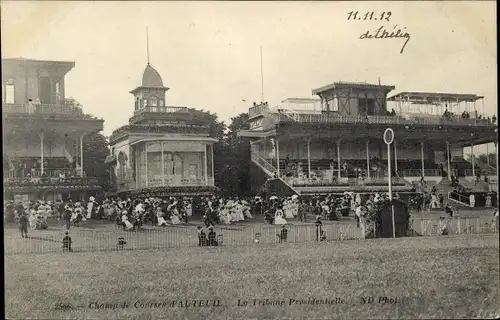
<point>164,150</point>
<point>43,133</point>
<point>341,148</point>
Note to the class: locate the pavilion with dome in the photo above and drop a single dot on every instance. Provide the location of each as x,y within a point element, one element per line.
<point>163,150</point>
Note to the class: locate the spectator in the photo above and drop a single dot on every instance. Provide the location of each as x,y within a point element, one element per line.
<point>67,242</point>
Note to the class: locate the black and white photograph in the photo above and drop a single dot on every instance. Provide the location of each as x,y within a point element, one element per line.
<point>250,159</point>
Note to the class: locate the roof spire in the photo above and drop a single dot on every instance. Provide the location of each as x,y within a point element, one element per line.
<point>147,41</point>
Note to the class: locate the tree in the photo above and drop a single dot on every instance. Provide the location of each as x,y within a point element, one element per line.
<point>232,159</point>
<point>95,151</point>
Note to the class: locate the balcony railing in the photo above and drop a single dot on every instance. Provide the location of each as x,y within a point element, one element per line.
<point>128,183</point>
<point>418,172</point>
<point>66,110</point>
<point>253,111</point>
<point>79,182</point>
<point>425,120</point>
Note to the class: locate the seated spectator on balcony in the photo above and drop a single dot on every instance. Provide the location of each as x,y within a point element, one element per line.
<point>392,113</point>
<point>494,119</point>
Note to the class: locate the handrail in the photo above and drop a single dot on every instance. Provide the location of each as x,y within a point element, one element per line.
<point>463,200</point>
<point>66,109</point>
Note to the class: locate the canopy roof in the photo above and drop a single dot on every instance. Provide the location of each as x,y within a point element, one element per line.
<point>353,85</point>
<point>434,97</point>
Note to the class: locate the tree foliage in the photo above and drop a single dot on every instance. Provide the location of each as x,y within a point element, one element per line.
<point>232,159</point>
<point>95,151</point>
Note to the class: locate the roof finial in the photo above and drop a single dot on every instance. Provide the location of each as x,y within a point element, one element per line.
<point>147,40</point>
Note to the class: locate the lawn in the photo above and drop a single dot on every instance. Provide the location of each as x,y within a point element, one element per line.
<point>446,277</point>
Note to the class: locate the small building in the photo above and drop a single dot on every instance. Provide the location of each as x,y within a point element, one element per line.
<point>163,150</point>
<point>43,133</point>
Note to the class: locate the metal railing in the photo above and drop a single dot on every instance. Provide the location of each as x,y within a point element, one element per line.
<point>47,241</point>
<point>264,164</point>
<point>461,199</point>
<point>67,110</point>
<point>424,120</point>
<point>418,172</point>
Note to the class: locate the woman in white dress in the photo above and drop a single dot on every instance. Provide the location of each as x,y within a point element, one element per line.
<point>488,201</point>
<point>128,225</point>
<point>287,208</point>
<point>238,207</point>
<point>246,210</point>
<point>189,208</point>
<point>278,217</point>
<point>224,216</point>
<point>160,217</point>
<point>232,211</point>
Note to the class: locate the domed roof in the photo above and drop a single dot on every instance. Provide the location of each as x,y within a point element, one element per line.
<point>151,77</point>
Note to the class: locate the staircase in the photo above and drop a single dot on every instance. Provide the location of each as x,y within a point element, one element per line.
<point>269,170</point>
<point>291,114</point>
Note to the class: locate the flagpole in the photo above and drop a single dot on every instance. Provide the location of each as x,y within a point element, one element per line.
<point>261,76</point>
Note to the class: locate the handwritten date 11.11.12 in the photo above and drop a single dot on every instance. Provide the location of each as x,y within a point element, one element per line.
<point>356,15</point>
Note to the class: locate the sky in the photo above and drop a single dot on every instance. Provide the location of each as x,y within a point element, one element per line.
<point>208,53</point>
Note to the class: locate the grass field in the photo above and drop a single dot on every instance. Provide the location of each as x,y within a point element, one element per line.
<point>445,277</point>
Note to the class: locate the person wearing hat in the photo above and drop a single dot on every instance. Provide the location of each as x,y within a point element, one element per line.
<point>67,242</point>
<point>202,237</point>
<point>91,207</point>
<point>212,237</point>
<point>67,215</point>
<point>23,224</point>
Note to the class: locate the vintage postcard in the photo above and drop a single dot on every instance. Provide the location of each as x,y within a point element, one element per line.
<point>250,160</point>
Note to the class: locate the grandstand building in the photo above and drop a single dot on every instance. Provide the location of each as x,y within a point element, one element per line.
<point>43,133</point>
<point>164,150</point>
<point>335,143</point>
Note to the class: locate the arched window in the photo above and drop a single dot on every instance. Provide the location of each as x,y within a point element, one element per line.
<point>137,103</point>
<point>10,91</point>
<point>122,164</point>
<point>144,103</point>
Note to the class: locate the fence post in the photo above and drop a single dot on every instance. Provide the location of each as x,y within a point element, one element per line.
<point>467,225</point>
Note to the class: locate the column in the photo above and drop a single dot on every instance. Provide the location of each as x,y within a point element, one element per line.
<point>278,156</point>
<point>309,157</point>
<point>487,156</point>
<point>496,149</point>
<point>146,160</point>
<point>41,153</point>
<point>395,157</point>
<point>212,158</point>
<point>162,166</point>
<point>338,159</point>
<point>368,159</point>
<point>473,160</point>
<point>448,159</point>
<point>81,156</point>
<point>422,158</point>
<point>206,165</point>
<point>137,156</point>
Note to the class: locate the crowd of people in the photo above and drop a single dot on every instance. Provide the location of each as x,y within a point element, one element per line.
<point>133,214</point>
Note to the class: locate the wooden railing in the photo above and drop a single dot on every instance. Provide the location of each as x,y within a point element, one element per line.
<point>67,110</point>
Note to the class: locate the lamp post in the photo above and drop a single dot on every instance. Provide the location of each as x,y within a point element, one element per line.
<point>388,139</point>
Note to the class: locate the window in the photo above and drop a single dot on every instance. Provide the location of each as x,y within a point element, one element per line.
<point>137,103</point>
<point>144,103</point>
<point>154,109</point>
<point>10,91</point>
<point>161,103</point>
<point>153,102</point>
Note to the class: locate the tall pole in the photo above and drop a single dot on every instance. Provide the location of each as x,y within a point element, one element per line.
<point>390,189</point>
<point>338,159</point>
<point>395,157</point>
<point>368,158</point>
<point>487,156</point>
<point>81,156</point>
<point>261,76</point>
<point>212,183</point>
<point>309,157</point>
<point>496,148</point>
<point>146,161</point>
<point>422,158</point>
<point>162,166</point>
<point>448,159</point>
<point>41,153</point>
<point>278,156</point>
<point>473,161</point>
<point>206,166</point>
